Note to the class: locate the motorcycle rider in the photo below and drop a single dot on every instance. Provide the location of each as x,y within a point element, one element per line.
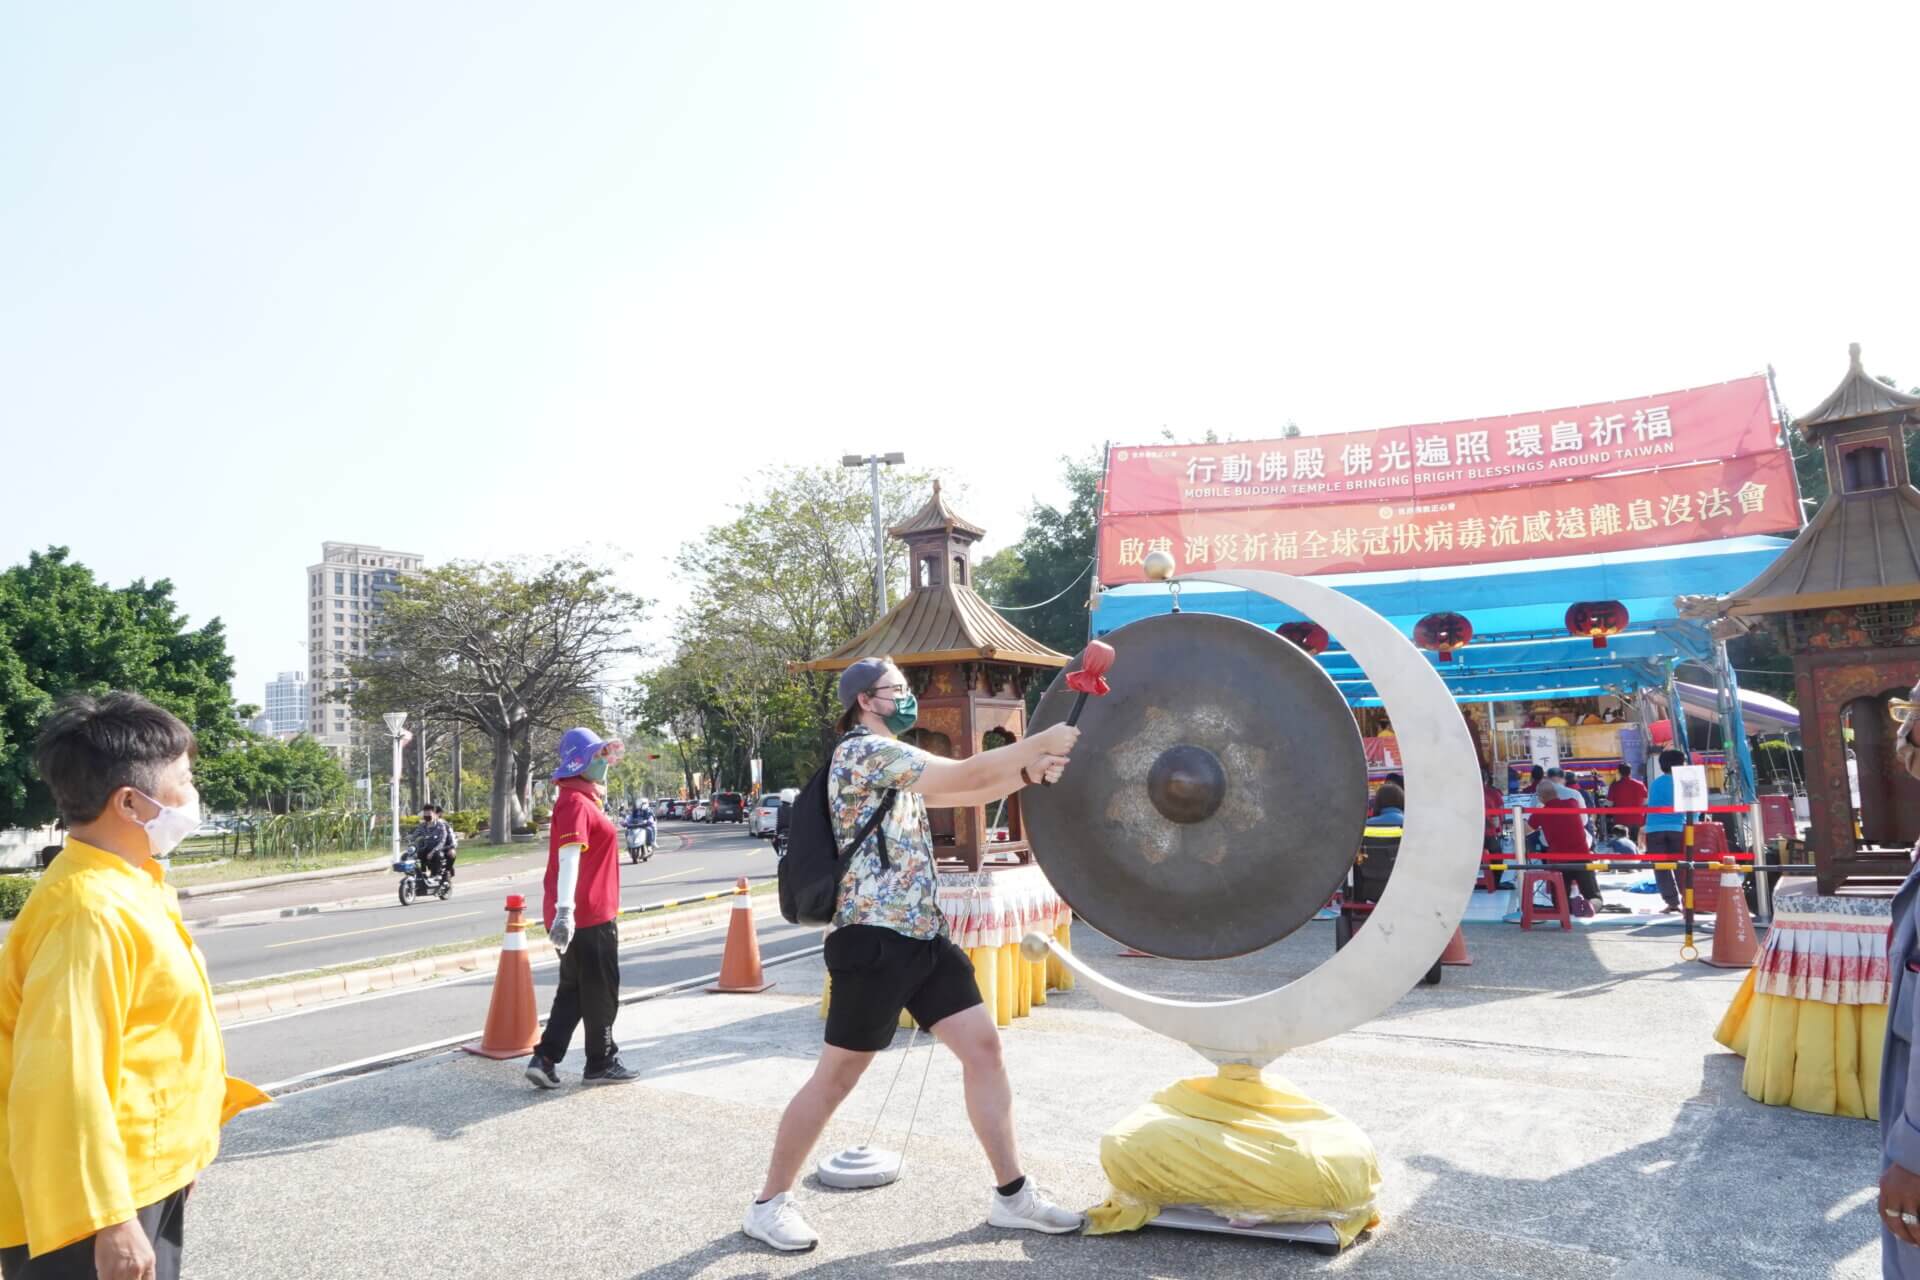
<point>430,840</point>
<point>640,818</point>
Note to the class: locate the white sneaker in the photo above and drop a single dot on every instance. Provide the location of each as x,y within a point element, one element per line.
<point>778,1223</point>
<point>1028,1210</point>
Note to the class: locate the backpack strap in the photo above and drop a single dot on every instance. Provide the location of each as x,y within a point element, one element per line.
<point>872,827</point>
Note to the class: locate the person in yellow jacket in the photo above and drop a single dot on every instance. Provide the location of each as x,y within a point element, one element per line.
<point>113,1083</point>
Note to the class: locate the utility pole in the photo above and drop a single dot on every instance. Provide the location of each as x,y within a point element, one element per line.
<point>873,463</point>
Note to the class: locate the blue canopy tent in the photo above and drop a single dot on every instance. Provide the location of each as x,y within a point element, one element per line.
<point>1521,649</point>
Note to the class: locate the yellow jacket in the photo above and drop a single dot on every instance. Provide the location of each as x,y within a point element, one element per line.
<point>113,1083</point>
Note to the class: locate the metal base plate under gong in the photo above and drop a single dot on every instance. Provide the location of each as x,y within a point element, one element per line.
<point>1320,1235</point>
<point>857,1168</point>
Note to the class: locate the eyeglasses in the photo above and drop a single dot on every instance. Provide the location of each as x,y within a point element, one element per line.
<point>1900,709</point>
<point>894,689</point>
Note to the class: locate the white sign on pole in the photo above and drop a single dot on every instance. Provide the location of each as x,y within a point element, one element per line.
<point>1543,747</point>
<point>1690,793</point>
<point>754,764</point>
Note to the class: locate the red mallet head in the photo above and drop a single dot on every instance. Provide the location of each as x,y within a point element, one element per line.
<point>1095,661</point>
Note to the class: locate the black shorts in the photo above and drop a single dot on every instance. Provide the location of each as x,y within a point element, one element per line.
<point>877,972</point>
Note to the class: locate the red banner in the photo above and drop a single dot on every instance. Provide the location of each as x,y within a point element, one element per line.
<point>1748,495</point>
<point>1403,464</point>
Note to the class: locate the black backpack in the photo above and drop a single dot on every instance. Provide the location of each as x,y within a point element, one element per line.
<point>814,864</point>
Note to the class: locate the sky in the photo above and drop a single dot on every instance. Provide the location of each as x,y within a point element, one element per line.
<point>480,280</point>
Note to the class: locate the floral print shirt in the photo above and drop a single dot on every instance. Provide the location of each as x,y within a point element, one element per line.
<point>900,896</point>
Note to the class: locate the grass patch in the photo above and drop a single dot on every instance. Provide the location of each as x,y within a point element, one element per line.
<point>535,932</point>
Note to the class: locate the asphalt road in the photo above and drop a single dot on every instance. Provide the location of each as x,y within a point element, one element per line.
<point>691,860</point>
<point>280,1049</point>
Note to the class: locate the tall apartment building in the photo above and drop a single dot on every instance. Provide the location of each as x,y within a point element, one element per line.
<point>345,593</point>
<point>286,704</point>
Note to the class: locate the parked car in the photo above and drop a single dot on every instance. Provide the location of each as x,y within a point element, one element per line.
<point>765,816</point>
<point>727,806</point>
<point>697,812</point>
<point>674,808</point>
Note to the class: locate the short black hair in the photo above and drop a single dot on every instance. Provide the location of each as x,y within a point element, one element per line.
<point>1626,770</point>
<point>1538,772</point>
<point>1389,796</point>
<point>1394,780</point>
<point>1671,760</point>
<point>90,747</point>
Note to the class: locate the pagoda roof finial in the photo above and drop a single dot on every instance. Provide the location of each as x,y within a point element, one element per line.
<point>1860,395</point>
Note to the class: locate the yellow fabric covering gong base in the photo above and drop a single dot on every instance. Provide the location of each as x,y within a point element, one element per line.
<point>1807,1054</point>
<point>1245,1145</point>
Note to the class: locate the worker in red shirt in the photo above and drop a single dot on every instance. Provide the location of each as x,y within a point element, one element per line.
<point>1560,818</point>
<point>581,910</point>
<point>1628,793</point>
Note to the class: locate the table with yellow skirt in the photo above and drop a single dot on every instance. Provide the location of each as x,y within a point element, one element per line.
<point>989,912</point>
<point>1811,1016</point>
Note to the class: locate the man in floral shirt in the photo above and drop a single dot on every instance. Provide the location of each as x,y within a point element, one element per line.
<point>889,949</point>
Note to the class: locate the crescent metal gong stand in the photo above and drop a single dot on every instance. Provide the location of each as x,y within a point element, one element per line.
<point>1149,824</point>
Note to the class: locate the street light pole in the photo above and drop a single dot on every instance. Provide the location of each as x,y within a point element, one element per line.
<point>873,463</point>
<point>395,719</point>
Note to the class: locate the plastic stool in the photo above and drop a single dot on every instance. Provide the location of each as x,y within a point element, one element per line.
<point>1557,889</point>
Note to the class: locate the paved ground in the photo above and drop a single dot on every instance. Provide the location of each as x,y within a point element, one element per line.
<point>314,1039</point>
<point>1558,1110</point>
<point>691,861</point>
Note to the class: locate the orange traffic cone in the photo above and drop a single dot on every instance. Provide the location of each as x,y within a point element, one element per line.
<point>1456,952</point>
<point>740,963</point>
<point>1734,943</point>
<point>513,1025</point>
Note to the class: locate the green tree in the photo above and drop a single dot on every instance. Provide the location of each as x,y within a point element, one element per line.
<point>785,581</point>
<point>63,631</point>
<point>1055,554</point>
<point>277,777</point>
<point>507,648</point>
<point>995,575</point>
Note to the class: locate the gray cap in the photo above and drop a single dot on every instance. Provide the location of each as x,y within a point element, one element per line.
<point>859,678</point>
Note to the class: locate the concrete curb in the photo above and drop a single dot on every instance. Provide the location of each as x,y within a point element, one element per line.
<point>261,915</point>
<point>259,1002</point>
<point>291,877</point>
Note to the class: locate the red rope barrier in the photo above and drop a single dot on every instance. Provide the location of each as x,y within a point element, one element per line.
<point>1537,808</point>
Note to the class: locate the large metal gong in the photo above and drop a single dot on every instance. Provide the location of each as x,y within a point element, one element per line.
<point>1216,796</point>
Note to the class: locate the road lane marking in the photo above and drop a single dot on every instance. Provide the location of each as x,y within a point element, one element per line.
<point>354,933</point>
<point>671,875</point>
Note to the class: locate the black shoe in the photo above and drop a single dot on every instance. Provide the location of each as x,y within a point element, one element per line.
<point>615,1072</point>
<point>541,1072</point>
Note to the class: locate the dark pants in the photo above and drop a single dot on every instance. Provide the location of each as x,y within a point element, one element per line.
<point>1667,842</point>
<point>589,991</point>
<point>1580,880</point>
<point>163,1221</point>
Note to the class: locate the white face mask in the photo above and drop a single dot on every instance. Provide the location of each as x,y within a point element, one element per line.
<point>167,828</point>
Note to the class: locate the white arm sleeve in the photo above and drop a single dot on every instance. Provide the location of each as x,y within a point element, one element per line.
<point>569,876</point>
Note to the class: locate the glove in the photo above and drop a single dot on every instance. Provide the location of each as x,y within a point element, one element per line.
<point>562,931</point>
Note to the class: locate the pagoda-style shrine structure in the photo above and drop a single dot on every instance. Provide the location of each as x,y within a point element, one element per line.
<point>968,666</point>
<point>1843,601</point>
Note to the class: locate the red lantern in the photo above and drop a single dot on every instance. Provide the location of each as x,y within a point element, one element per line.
<point>1443,633</point>
<point>1598,619</point>
<point>1310,636</point>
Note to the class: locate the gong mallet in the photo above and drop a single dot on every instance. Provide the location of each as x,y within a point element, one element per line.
<point>1090,681</point>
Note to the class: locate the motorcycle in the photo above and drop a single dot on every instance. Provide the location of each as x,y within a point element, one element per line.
<point>641,839</point>
<point>424,875</point>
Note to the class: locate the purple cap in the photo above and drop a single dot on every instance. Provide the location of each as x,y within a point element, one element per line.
<point>859,678</point>
<point>578,747</point>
